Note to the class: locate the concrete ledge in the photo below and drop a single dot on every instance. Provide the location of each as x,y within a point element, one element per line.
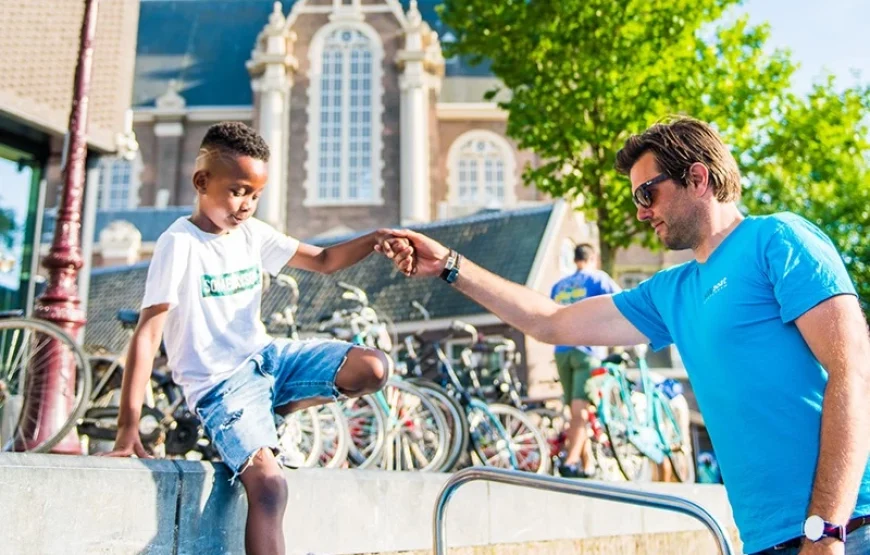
<point>62,504</point>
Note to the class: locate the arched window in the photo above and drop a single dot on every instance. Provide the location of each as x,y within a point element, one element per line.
<point>481,170</point>
<point>345,116</point>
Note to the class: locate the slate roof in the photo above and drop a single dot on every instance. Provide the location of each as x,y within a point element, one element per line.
<point>150,221</point>
<point>504,242</point>
<point>204,44</point>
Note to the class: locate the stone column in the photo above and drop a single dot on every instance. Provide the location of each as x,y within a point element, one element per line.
<point>271,68</point>
<point>420,67</point>
<point>168,132</point>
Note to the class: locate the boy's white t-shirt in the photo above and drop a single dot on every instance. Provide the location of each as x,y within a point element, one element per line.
<point>213,285</point>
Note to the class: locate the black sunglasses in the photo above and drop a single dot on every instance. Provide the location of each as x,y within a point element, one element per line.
<point>642,196</point>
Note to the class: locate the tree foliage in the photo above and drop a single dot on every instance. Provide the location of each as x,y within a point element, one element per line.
<point>584,74</point>
<point>812,157</point>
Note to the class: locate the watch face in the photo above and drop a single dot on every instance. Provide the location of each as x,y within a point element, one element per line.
<point>814,528</point>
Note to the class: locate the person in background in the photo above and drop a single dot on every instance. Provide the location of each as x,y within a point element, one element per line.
<point>575,363</point>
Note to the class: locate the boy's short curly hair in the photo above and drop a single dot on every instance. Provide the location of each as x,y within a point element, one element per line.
<point>237,138</point>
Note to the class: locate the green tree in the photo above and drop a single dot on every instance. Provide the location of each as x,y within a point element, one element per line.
<point>8,227</point>
<point>584,74</point>
<point>812,157</point>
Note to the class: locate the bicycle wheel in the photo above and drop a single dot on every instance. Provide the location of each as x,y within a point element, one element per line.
<point>551,423</point>
<point>366,424</point>
<point>456,422</point>
<point>499,431</point>
<point>417,430</point>
<point>616,415</point>
<point>26,345</point>
<point>668,428</point>
<point>335,436</point>
<point>300,432</point>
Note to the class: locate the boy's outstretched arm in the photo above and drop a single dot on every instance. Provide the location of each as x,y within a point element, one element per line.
<point>592,321</point>
<point>137,372</point>
<point>337,257</point>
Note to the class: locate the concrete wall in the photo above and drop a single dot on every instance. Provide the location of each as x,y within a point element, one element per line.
<point>71,505</point>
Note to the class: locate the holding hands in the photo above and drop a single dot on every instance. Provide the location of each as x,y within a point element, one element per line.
<point>414,254</point>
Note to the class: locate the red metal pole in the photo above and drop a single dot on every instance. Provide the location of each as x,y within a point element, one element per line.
<point>60,304</point>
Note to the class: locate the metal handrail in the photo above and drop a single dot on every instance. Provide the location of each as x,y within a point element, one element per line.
<point>595,490</point>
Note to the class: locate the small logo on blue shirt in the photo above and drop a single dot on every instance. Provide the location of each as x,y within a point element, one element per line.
<point>723,283</point>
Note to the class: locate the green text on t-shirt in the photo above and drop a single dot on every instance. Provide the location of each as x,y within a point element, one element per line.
<point>230,283</point>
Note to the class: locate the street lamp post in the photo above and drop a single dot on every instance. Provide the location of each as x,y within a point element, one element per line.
<point>60,302</point>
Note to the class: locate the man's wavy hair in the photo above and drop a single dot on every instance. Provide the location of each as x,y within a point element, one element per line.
<point>679,143</point>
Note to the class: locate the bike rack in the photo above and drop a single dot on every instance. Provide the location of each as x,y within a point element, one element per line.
<point>595,490</point>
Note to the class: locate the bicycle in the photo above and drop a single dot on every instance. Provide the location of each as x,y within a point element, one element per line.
<point>639,422</point>
<point>26,344</point>
<point>499,435</point>
<point>415,431</point>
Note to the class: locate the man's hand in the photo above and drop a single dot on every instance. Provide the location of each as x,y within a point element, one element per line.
<point>426,257</point>
<point>127,444</point>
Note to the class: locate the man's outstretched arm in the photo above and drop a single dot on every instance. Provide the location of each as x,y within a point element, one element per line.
<point>593,321</point>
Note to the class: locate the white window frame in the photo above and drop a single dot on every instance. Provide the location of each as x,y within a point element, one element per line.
<point>344,21</point>
<point>508,158</point>
<point>106,168</point>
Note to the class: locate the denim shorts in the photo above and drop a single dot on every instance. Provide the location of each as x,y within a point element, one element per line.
<point>239,413</point>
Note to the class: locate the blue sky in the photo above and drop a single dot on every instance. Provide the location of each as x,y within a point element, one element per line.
<point>831,35</point>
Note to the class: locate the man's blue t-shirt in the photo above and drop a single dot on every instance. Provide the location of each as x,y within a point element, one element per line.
<point>578,286</point>
<point>757,382</point>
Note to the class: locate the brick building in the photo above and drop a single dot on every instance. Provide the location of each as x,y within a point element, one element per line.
<point>39,40</point>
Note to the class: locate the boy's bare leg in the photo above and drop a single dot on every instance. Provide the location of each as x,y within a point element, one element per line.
<point>266,489</point>
<point>365,371</point>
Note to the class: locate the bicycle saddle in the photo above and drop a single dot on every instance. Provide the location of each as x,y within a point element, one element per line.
<point>617,358</point>
<point>128,316</point>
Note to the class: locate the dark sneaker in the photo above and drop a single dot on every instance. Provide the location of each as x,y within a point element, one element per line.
<point>574,471</point>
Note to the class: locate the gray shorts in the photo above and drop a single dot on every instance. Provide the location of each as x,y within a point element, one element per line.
<point>239,413</point>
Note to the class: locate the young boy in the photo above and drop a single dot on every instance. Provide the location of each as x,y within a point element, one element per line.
<point>204,288</point>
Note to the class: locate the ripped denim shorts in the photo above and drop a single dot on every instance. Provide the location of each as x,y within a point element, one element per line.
<point>239,413</point>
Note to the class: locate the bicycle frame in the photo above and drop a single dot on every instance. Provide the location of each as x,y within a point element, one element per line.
<point>644,433</point>
<point>469,402</point>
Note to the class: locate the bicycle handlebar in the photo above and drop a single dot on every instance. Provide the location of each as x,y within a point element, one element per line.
<point>459,325</point>
<point>359,294</point>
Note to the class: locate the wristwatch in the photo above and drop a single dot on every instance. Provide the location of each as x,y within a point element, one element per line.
<point>816,528</point>
<point>451,268</point>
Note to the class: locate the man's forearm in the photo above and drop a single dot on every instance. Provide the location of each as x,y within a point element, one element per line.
<point>521,307</point>
<point>844,446</point>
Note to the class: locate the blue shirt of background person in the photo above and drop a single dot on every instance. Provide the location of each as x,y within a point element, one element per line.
<point>587,281</point>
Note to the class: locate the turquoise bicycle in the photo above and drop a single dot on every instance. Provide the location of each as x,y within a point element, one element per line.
<point>414,432</point>
<point>640,424</point>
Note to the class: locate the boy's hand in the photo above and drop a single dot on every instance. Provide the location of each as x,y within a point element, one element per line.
<point>426,257</point>
<point>127,444</point>
<point>398,249</point>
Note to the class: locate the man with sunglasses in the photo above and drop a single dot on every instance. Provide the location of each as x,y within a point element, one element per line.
<point>767,322</point>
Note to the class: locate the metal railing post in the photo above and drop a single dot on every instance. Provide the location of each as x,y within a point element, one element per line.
<point>585,488</point>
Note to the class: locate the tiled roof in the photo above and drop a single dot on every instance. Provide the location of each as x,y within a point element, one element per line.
<point>204,44</point>
<point>504,242</point>
<point>150,221</point>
